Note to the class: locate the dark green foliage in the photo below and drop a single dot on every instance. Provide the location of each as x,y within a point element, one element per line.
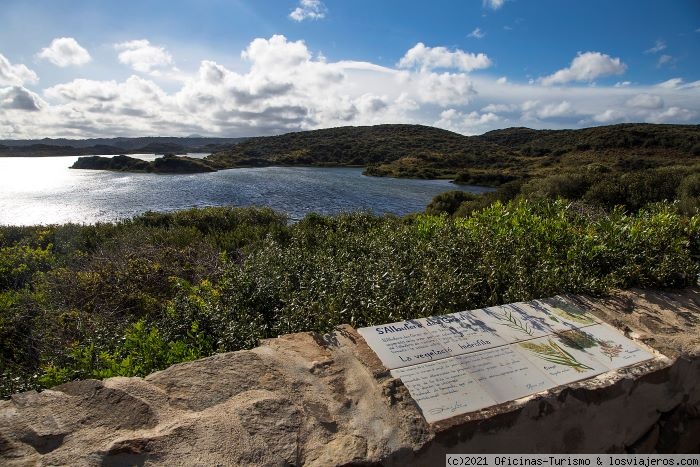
<point>137,296</point>
<point>168,164</point>
<point>386,150</point>
<point>449,202</point>
<point>492,159</point>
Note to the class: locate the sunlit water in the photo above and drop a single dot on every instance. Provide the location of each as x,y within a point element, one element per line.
<point>43,190</point>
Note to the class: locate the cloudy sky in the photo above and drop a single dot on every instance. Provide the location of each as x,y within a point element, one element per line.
<point>242,67</point>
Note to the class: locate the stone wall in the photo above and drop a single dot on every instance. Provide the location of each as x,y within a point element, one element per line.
<point>327,400</point>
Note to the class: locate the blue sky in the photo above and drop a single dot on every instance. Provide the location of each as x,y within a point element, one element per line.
<point>235,67</point>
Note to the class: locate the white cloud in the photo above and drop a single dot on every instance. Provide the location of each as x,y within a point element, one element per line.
<point>142,56</point>
<point>466,123</point>
<point>500,108</point>
<point>671,83</point>
<point>658,47</point>
<point>65,51</point>
<point>281,85</point>
<point>622,84</point>
<point>477,33</point>
<point>19,98</point>
<point>529,105</point>
<point>442,88</point>
<point>428,58</point>
<point>673,114</point>
<point>493,4</point>
<point>645,101</point>
<point>663,59</point>
<point>586,66</point>
<point>562,109</point>
<point>15,75</point>
<point>309,9</point>
<point>502,80</point>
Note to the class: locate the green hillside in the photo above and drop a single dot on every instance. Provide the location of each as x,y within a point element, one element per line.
<point>491,159</point>
<point>385,150</point>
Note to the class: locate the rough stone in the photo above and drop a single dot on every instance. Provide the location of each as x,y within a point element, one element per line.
<point>305,399</point>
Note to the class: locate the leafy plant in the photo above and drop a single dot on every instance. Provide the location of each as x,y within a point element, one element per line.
<point>554,353</point>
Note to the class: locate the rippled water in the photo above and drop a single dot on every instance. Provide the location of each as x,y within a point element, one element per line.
<point>42,190</point>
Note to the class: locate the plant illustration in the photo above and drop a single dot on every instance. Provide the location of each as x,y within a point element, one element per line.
<point>610,349</point>
<point>577,339</point>
<point>553,353</point>
<point>514,323</point>
<point>570,312</point>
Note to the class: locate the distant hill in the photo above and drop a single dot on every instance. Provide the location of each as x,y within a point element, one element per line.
<point>392,150</point>
<point>418,151</point>
<point>146,145</point>
<point>489,159</point>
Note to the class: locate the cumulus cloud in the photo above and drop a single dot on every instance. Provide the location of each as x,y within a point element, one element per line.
<point>477,33</point>
<point>645,101</point>
<point>673,114</point>
<point>467,123</point>
<point>65,51</point>
<point>586,66</point>
<point>282,85</point>
<point>563,108</point>
<point>142,56</point>
<point>493,4</point>
<point>443,88</point>
<point>428,58</point>
<point>15,75</point>
<point>19,98</point>
<point>309,9</point>
<point>500,108</point>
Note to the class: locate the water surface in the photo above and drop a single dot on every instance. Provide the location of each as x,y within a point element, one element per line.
<point>43,190</point>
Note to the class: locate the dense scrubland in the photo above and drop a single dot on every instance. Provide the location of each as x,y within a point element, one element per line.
<point>136,296</point>
<point>132,297</point>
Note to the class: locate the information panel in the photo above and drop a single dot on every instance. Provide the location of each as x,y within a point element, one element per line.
<point>462,362</point>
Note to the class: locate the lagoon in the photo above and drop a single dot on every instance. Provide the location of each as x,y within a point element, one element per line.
<point>43,190</point>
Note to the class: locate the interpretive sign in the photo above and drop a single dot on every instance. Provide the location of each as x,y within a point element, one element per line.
<point>462,362</point>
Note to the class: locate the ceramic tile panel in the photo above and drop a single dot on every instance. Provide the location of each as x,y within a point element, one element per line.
<point>505,373</point>
<point>563,357</point>
<point>614,349</point>
<point>512,323</point>
<point>443,389</point>
<point>463,333</point>
<point>403,343</point>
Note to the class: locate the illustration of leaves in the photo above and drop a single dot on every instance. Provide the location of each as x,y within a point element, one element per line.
<point>514,323</point>
<point>577,339</point>
<point>570,312</point>
<point>610,349</point>
<point>554,353</point>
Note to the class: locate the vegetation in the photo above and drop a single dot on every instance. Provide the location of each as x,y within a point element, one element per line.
<point>166,164</point>
<point>414,151</point>
<point>136,296</point>
<point>492,159</point>
<point>596,187</point>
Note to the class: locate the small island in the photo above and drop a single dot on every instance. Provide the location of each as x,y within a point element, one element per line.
<point>168,164</point>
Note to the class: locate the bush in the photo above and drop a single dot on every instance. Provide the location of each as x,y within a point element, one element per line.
<point>146,294</point>
<point>449,202</point>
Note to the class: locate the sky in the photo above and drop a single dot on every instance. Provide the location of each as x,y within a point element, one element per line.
<point>101,68</point>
